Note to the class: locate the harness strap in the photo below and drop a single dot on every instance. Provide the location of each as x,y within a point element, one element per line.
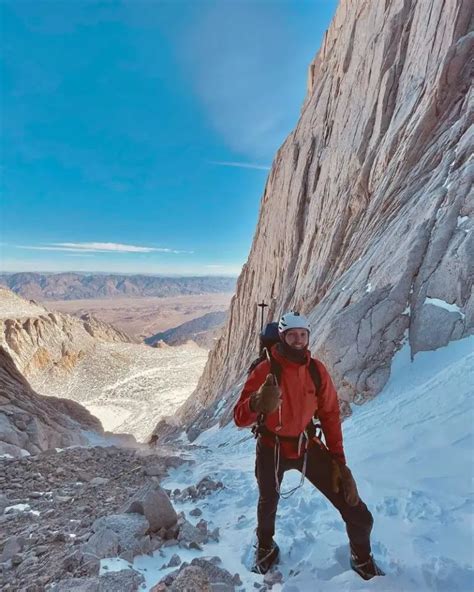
<point>276,459</point>
<point>312,430</point>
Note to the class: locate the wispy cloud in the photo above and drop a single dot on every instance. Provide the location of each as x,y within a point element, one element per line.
<point>247,66</point>
<point>101,248</point>
<point>242,165</point>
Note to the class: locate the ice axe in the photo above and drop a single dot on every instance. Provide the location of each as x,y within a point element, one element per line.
<point>263,306</point>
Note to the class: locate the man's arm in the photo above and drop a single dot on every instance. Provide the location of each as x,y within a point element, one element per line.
<point>243,415</point>
<point>328,413</point>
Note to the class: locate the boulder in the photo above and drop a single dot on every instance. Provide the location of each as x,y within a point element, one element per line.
<point>13,545</point>
<point>191,579</point>
<point>122,534</point>
<point>152,502</point>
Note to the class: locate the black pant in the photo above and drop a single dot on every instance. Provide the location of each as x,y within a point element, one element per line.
<point>358,519</point>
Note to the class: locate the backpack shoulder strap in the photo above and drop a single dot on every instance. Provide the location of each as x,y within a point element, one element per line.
<point>255,363</point>
<point>316,378</point>
<point>275,367</point>
<point>315,375</point>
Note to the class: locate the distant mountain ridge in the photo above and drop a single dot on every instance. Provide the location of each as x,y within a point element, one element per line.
<point>202,331</point>
<point>76,286</point>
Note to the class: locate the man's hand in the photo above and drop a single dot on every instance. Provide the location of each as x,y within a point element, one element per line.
<point>267,398</point>
<point>342,479</point>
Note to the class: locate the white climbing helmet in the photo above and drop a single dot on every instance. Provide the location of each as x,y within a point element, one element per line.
<point>293,320</point>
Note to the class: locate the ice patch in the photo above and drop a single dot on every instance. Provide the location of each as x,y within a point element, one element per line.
<point>17,508</point>
<point>445,305</point>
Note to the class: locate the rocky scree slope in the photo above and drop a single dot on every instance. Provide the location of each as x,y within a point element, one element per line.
<point>63,511</point>
<point>366,219</point>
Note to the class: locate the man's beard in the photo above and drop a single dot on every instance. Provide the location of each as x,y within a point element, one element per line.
<point>294,355</point>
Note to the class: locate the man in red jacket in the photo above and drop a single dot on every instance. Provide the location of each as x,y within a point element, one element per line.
<point>282,412</point>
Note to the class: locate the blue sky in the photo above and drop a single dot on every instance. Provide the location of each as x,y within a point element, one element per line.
<point>137,136</point>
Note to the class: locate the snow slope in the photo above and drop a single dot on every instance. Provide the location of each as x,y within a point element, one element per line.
<point>128,386</point>
<point>411,451</point>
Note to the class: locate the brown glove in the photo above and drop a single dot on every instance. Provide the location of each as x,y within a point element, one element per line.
<point>267,398</point>
<point>342,479</point>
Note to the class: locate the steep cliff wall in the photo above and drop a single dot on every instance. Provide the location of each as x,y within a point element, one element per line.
<point>365,223</point>
<point>30,423</point>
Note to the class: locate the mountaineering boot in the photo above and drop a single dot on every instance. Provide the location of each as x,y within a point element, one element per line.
<point>265,557</point>
<point>367,569</point>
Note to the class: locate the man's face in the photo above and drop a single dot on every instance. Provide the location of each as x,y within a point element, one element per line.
<point>296,338</point>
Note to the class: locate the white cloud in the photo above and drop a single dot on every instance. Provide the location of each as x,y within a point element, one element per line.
<point>243,165</point>
<point>177,267</point>
<point>101,248</point>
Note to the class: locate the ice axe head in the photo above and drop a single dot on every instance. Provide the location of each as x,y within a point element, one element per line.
<point>270,380</point>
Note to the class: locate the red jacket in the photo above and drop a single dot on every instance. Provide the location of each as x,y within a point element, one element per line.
<point>298,405</point>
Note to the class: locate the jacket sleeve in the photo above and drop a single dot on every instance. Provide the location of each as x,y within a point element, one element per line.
<point>328,413</point>
<point>243,416</point>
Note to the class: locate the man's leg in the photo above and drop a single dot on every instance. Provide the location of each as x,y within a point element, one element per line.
<point>358,519</point>
<point>268,495</point>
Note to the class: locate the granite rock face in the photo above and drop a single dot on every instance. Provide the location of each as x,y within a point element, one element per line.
<point>104,331</point>
<point>366,219</point>
<point>31,423</point>
<point>41,341</point>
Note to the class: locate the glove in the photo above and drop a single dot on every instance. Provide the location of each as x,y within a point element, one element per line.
<point>267,398</point>
<point>342,478</point>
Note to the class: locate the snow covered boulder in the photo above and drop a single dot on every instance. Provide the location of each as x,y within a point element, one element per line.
<point>152,502</point>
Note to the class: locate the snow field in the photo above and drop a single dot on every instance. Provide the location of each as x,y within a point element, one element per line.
<point>410,450</point>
